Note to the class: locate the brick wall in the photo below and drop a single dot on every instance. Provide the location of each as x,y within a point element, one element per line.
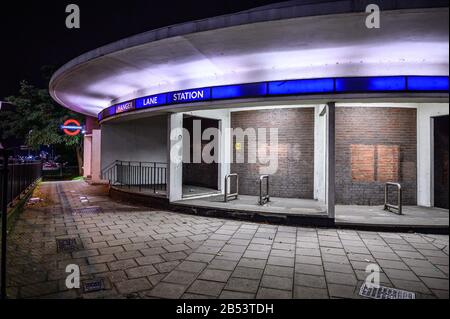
<point>295,175</point>
<point>373,146</point>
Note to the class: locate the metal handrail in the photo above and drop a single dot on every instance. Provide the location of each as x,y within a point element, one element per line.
<point>231,196</point>
<point>138,162</point>
<point>16,179</point>
<point>109,167</point>
<point>19,177</point>
<point>142,175</point>
<point>115,163</point>
<point>266,198</point>
<point>390,207</point>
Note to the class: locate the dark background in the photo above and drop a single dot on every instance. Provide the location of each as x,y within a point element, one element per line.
<point>33,33</point>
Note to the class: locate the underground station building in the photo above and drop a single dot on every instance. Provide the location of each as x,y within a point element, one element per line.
<point>298,112</point>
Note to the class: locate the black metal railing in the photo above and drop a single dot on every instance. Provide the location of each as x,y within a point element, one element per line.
<point>15,179</point>
<point>141,176</point>
<point>19,176</point>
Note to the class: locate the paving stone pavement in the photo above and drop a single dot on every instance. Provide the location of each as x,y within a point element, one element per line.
<point>144,253</point>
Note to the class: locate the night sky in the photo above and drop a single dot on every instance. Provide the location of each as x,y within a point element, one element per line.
<point>33,33</point>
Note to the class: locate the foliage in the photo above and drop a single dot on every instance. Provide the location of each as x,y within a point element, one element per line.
<point>37,119</point>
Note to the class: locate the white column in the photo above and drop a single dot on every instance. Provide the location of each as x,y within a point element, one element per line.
<point>87,156</point>
<point>175,156</point>
<point>331,159</point>
<point>320,153</point>
<point>225,152</point>
<point>96,156</point>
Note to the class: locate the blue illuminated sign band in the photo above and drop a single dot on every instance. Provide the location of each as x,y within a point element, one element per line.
<point>239,91</point>
<point>190,96</point>
<point>375,84</point>
<point>151,101</point>
<point>125,107</point>
<point>428,83</point>
<point>301,87</point>
<point>291,87</point>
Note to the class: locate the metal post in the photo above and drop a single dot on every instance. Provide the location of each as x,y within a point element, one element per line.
<point>11,186</point>
<point>140,176</point>
<point>121,178</point>
<point>4,222</point>
<point>20,180</point>
<point>390,207</point>
<point>129,175</point>
<point>154,179</point>
<point>386,190</point>
<point>260,192</point>
<point>226,189</point>
<point>263,199</point>
<point>228,195</point>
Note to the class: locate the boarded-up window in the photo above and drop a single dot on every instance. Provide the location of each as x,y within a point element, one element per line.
<point>375,163</point>
<point>388,159</point>
<point>363,163</point>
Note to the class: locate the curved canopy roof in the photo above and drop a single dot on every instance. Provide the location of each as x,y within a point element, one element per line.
<point>291,40</point>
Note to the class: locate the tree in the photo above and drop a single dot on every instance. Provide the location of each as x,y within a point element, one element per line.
<point>37,119</point>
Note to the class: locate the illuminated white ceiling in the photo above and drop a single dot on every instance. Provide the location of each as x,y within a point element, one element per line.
<point>410,42</point>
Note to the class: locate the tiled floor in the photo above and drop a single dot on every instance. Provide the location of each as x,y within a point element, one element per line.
<point>142,253</point>
<point>245,203</point>
<point>414,216</point>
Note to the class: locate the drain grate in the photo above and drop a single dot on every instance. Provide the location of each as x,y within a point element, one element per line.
<point>87,210</point>
<point>93,285</point>
<point>381,292</point>
<point>66,245</point>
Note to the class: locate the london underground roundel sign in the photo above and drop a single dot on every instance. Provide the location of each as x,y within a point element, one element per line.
<point>72,127</point>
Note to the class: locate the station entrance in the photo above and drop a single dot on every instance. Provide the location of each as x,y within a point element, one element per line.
<point>200,173</point>
<point>441,164</point>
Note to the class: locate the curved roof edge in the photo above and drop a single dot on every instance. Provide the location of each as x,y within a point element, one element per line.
<point>317,88</point>
<point>382,97</point>
<point>279,11</point>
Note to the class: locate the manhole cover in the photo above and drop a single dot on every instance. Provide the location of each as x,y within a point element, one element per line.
<point>381,292</point>
<point>66,245</point>
<point>93,285</point>
<point>87,210</point>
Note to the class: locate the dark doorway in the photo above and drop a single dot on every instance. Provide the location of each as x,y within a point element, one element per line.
<point>199,177</point>
<point>441,164</point>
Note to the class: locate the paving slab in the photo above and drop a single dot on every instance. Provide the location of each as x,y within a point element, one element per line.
<point>144,253</point>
